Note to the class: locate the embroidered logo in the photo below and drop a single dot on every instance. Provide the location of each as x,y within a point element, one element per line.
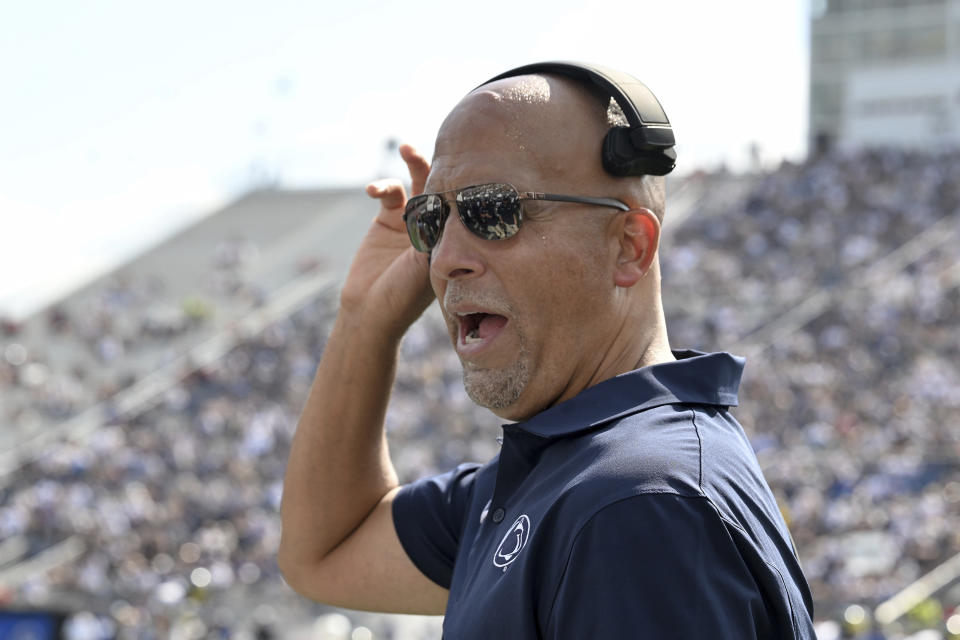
<point>513,543</point>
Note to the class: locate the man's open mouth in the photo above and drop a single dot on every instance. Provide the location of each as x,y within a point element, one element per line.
<point>476,327</point>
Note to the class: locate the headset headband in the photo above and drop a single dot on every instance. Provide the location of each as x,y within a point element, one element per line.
<point>646,147</point>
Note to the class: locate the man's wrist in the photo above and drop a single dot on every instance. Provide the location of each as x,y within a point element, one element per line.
<point>364,332</point>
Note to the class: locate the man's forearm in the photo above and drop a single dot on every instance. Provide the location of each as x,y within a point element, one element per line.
<point>339,465</point>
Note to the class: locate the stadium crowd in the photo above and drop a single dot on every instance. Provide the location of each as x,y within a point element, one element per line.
<point>86,351</point>
<point>853,409</point>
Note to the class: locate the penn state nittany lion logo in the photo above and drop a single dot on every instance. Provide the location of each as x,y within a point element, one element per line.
<point>512,543</point>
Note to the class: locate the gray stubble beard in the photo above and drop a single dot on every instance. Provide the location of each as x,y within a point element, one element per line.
<point>492,388</point>
<point>498,388</point>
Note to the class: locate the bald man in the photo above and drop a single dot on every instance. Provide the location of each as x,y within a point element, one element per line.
<point>626,501</point>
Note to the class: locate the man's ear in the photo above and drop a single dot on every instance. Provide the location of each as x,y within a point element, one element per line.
<point>639,237</point>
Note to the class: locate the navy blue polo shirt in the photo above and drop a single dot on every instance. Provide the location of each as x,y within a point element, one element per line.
<point>636,509</point>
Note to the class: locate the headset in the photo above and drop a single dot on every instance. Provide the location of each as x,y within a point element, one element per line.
<point>643,148</point>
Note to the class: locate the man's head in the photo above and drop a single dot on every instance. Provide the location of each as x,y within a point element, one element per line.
<point>573,297</point>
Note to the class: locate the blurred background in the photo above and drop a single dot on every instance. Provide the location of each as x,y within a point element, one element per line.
<point>181,189</point>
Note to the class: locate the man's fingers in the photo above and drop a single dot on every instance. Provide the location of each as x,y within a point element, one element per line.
<point>417,165</point>
<point>389,192</point>
<point>392,198</point>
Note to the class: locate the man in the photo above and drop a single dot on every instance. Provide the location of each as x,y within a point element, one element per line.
<point>626,501</point>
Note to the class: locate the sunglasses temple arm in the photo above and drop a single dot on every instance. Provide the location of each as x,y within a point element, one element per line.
<point>600,202</point>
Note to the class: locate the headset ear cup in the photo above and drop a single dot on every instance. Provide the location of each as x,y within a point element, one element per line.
<point>621,157</point>
<point>618,152</point>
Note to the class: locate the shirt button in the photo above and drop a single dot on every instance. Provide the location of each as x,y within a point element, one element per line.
<point>498,515</point>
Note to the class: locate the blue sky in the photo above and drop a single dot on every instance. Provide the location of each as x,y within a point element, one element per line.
<point>121,121</point>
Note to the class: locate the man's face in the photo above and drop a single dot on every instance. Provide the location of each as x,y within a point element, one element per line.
<point>529,316</point>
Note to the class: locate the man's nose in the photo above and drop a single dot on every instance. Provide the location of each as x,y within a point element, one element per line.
<point>457,254</point>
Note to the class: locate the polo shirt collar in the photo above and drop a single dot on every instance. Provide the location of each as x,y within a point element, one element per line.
<point>693,378</point>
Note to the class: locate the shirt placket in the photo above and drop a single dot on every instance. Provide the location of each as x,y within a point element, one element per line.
<point>518,456</point>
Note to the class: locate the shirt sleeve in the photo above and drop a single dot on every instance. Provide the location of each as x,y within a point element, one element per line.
<point>657,566</point>
<point>429,515</point>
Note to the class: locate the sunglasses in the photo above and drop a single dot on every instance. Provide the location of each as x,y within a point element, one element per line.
<point>489,211</point>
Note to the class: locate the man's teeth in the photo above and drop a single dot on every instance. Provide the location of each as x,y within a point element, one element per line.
<point>471,337</point>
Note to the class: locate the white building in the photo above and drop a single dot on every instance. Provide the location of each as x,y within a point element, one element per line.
<point>885,72</point>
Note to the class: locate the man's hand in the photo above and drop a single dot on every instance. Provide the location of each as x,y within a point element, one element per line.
<point>339,544</point>
<point>388,283</point>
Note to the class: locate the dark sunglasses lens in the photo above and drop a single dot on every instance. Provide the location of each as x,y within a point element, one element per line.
<point>424,216</point>
<point>491,211</point>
